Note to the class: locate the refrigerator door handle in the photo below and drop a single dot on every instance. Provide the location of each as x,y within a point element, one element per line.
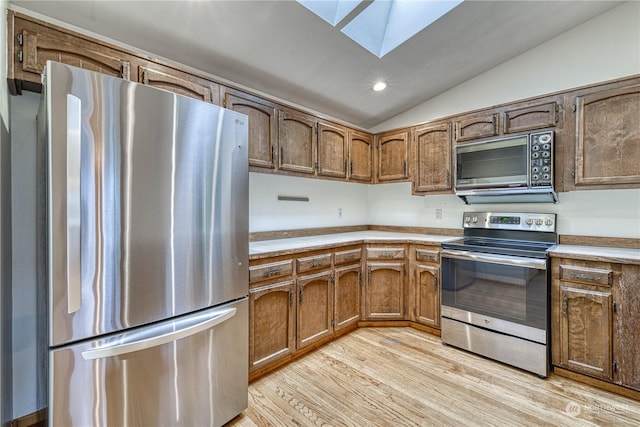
<point>74,224</point>
<point>123,346</point>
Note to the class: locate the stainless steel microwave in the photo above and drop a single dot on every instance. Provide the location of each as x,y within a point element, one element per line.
<point>514,169</point>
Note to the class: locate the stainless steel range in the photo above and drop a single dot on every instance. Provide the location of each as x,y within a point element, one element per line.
<point>495,288</point>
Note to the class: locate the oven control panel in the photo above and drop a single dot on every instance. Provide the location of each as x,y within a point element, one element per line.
<point>510,221</point>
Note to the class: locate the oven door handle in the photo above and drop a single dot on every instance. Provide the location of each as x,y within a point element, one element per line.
<point>540,264</point>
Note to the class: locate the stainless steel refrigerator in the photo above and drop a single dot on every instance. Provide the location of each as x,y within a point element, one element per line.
<point>144,253</point>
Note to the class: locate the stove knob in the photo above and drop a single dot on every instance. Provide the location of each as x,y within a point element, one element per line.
<point>529,222</point>
<point>474,219</point>
<point>539,221</point>
<point>467,219</point>
<point>548,221</point>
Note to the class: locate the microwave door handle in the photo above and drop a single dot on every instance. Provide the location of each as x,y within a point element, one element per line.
<point>73,207</point>
<point>539,264</point>
<point>124,346</point>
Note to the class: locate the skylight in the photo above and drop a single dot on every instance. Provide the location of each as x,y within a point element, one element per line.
<point>382,25</point>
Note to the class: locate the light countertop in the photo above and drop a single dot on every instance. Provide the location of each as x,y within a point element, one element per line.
<point>597,253</point>
<point>278,246</point>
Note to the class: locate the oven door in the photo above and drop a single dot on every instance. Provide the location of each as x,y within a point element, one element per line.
<point>507,294</point>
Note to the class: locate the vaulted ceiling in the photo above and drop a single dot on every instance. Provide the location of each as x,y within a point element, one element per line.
<point>282,49</point>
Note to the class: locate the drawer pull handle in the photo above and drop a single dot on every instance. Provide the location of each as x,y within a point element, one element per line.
<point>272,272</point>
<point>584,276</point>
<point>565,303</point>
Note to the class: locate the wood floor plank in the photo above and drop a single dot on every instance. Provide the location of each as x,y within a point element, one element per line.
<point>405,377</point>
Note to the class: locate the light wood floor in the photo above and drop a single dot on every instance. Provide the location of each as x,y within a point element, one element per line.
<point>405,377</point>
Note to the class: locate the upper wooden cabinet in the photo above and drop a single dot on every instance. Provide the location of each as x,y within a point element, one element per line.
<point>333,150</point>
<point>393,156</point>
<point>432,150</point>
<point>31,44</point>
<point>297,139</point>
<point>263,126</point>
<point>525,118</point>
<point>360,156</point>
<point>179,82</point>
<point>606,137</point>
<point>476,126</point>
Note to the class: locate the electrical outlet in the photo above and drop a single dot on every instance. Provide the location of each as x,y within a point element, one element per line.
<point>438,213</point>
<point>339,213</point>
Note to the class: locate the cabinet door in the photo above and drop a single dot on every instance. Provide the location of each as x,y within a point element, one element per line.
<point>179,82</point>
<point>263,127</point>
<point>360,156</point>
<point>332,150</point>
<point>607,139</point>
<point>427,288</point>
<point>34,44</point>
<point>626,333</point>
<point>585,331</point>
<point>346,308</point>
<point>538,116</point>
<point>297,138</point>
<point>384,291</point>
<point>271,323</point>
<point>433,152</point>
<point>477,126</point>
<point>393,156</point>
<point>315,308</point>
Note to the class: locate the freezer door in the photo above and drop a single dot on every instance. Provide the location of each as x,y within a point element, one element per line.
<point>189,372</point>
<point>147,204</point>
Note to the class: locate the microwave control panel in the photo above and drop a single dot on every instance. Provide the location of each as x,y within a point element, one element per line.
<point>541,161</point>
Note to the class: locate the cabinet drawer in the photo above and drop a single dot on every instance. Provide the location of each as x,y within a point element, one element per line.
<point>313,262</point>
<point>346,257</point>
<point>592,276</point>
<point>385,253</point>
<point>428,255</point>
<point>270,271</point>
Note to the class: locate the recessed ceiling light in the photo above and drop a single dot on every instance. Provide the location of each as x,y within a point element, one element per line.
<point>379,86</point>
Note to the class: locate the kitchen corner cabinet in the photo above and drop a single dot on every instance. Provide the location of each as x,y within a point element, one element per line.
<point>179,82</point>
<point>333,150</point>
<point>393,156</point>
<point>606,137</point>
<point>432,146</point>
<point>297,138</point>
<point>263,126</point>
<point>425,285</point>
<point>384,292</point>
<point>360,156</point>
<point>31,44</point>
<point>595,312</point>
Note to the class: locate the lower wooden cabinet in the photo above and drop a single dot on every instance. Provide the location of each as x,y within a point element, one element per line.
<point>272,310</point>
<point>315,307</point>
<point>595,310</point>
<point>347,291</point>
<point>384,290</point>
<point>424,285</point>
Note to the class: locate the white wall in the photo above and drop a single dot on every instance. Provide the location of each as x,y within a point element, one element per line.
<point>604,48</point>
<point>612,213</point>
<point>326,200</point>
